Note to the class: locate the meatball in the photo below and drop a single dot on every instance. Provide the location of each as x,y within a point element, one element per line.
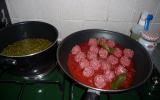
<point>99,81</point>
<point>94,49</point>
<point>76,49</point>
<point>84,63</point>
<point>91,55</point>
<point>88,72</point>
<point>109,75</point>
<point>92,42</point>
<point>117,52</point>
<point>103,53</point>
<point>120,70</point>
<point>128,53</point>
<point>105,66</point>
<point>112,60</point>
<point>111,43</point>
<point>95,64</point>
<point>125,61</point>
<point>80,56</point>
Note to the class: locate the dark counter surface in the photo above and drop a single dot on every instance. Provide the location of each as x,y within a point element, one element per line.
<point>155,56</point>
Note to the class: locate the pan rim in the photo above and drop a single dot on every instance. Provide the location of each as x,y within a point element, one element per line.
<point>103,90</point>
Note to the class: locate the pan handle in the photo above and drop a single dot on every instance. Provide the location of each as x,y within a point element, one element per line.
<point>91,95</point>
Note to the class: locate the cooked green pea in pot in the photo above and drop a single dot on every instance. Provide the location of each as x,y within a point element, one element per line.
<point>26,47</point>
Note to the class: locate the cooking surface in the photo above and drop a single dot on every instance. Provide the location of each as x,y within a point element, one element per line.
<point>156,57</point>
<point>53,90</point>
<point>57,86</point>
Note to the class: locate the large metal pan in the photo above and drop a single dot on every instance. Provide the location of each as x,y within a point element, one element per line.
<point>142,61</point>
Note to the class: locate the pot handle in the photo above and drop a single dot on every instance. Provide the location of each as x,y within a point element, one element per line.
<point>91,95</point>
<point>9,61</point>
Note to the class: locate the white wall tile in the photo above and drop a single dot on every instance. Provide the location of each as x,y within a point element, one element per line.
<point>24,9</point>
<point>74,15</point>
<point>16,20</point>
<point>47,10</point>
<point>122,27</point>
<point>155,27</point>
<point>96,9</point>
<point>72,9</point>
<point>147,5</point>
<point>136,16</point>
<point>94,24</point>
<point>156,18</point>
<point>151,6</point>
<point>70,26</point>
<point>121,10</point>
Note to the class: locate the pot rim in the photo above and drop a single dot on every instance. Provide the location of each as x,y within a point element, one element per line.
<point>25,22</point>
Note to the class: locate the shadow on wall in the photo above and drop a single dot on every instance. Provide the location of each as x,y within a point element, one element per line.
<point>4,16</point>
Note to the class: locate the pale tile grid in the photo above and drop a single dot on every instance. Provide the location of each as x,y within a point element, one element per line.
<point>48,9</point>
<point>70,26</point>
<point>122,27</point>
<point>21,9</point>
<point>71,10</point>
<point>96,10</point>
<point>157,15</point>
<point>72,15</point>
<point>147,5</point>
<point>155,27</point>
<point>121,10</point>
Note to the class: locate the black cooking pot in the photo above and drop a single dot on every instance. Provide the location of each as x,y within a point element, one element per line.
<point>32,64</point>
<point>142,61</point>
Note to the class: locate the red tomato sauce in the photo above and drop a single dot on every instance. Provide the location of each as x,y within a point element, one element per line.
<point>76,71</point>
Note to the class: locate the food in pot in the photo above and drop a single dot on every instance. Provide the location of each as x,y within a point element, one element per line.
<point>26,47</point>
<point>102,63</point>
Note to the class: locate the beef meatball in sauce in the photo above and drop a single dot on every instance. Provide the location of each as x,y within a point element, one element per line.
<point>98,62</point>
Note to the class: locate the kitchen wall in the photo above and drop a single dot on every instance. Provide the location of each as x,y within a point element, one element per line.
<point>74,15</point>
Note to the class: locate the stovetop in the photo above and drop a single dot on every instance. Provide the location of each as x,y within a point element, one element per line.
<point>57,86</point>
